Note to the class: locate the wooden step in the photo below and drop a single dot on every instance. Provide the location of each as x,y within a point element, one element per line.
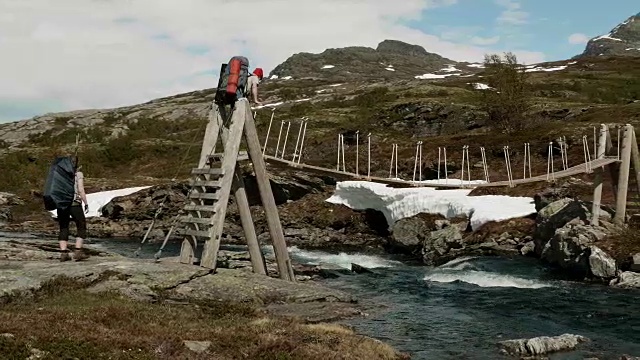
<point>242,155</point>
<point>206,208</point>
<point>207,171</point>
<point>198,233</point>
<point>206,196</point>
<point>195,220</point>
<point>215,184</point>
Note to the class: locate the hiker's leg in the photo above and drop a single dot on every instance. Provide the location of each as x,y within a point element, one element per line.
<point>63,221</point>
<point>81,225</point>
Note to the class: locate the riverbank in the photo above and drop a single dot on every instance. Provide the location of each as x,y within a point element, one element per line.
<point>112,305</point>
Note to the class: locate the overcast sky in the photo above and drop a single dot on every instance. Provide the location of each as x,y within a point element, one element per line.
<point>59,55</point>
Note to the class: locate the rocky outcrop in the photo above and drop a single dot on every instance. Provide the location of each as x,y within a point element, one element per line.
<point>7,201</point>
<point>432,119</point>
<point>28,266</point>
<point>541,345</point>
<point>555,216</point>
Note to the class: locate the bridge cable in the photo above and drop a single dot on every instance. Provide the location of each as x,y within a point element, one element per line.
<point>484,164</point>
<point>550,169</point>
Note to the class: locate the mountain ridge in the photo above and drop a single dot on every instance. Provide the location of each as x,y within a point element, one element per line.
<point>622,40</point>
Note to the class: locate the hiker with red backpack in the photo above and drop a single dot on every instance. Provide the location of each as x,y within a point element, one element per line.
<point>236,82</point>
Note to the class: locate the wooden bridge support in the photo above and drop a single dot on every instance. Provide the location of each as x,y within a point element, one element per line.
<point>623,177</point>
<point>225,179</point>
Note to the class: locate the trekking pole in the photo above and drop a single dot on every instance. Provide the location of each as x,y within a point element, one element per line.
<point>146,235</point>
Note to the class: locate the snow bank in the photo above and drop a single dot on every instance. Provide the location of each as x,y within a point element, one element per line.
<point>397,204</point>
<point>556,68</point>
<point>480,86</point>
<point>433,76</point>
<point>99,199</point>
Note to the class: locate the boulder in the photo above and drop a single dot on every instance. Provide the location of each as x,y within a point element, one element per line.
<point>7,201</point>
<point>408,234</point>
<point>555,216</point>
<point>628,280</point>
<point>601,264</point>
<point>438,243</point>
<point>541,345</point>
<point>571,249</point>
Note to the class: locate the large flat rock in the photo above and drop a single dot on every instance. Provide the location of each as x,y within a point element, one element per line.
<point>27,265</point>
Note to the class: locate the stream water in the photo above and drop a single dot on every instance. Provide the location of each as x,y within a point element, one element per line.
<point>462,309</point>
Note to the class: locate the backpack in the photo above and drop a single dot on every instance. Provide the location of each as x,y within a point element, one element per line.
<point>59,189</point>
<point>232,82</point>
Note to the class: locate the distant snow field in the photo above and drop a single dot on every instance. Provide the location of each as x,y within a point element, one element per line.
<point>433,76</point>
<point>480,86</point>
<point>328,67</point>
<point>398,204</point>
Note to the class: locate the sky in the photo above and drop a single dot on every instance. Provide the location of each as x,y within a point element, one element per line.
<point>78,54</point>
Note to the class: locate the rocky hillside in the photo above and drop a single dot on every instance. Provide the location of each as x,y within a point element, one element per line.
<point>392,59</point>
<point>623,40</point>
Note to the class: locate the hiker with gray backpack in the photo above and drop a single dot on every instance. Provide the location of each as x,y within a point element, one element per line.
<point>64,192</point>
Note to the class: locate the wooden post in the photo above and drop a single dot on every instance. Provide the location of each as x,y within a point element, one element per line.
<point>232,146</point>
<point>612,168</point>
<point>597,183</point>
<point>271,210</point>
<point>623,179</point>
<point>635,158</point>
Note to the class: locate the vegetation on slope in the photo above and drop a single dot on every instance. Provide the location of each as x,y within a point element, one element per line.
<point>145,144</point>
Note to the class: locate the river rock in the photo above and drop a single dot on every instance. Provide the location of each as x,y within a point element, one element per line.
<point>438,243</point>
<point>571,249</point>
<point>601,264</point>
<point>555,216</point>
<point>627,279</point>
<point>408,234</point>
<point>541,345</point>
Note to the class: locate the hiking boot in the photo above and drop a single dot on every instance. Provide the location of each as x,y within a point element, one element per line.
<point>80,254</point>
<point>64,256</point>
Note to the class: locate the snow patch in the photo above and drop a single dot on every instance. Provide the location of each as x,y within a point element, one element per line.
<point>267,105</point>
<point>479,66</point>
<point>390,69</point>
<point>328,67</point>
<point>99,199</point>
<point>556,68</point>
<point>334,85</point>
<point>480,86</point>
<point>398,204</point>
<point>433,76</point>
<point>273,77</point>
<point>287,78</point>
<point>608,36</point>
<point>450,68</point>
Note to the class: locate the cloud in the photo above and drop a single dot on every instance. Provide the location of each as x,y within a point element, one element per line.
<point>512,14</point>
<point>106,53</point>
<point>578,38</point>
<point>477,40</point>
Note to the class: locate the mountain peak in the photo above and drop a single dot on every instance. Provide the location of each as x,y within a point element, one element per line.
<point>401,48</point>
<point>622,40</point>
<point>392,59</point>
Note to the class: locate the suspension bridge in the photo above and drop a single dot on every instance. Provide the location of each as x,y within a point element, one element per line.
<point>218,177</point>
<point>593,159</point>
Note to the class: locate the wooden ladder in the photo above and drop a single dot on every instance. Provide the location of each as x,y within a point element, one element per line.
<point>214,180</point>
